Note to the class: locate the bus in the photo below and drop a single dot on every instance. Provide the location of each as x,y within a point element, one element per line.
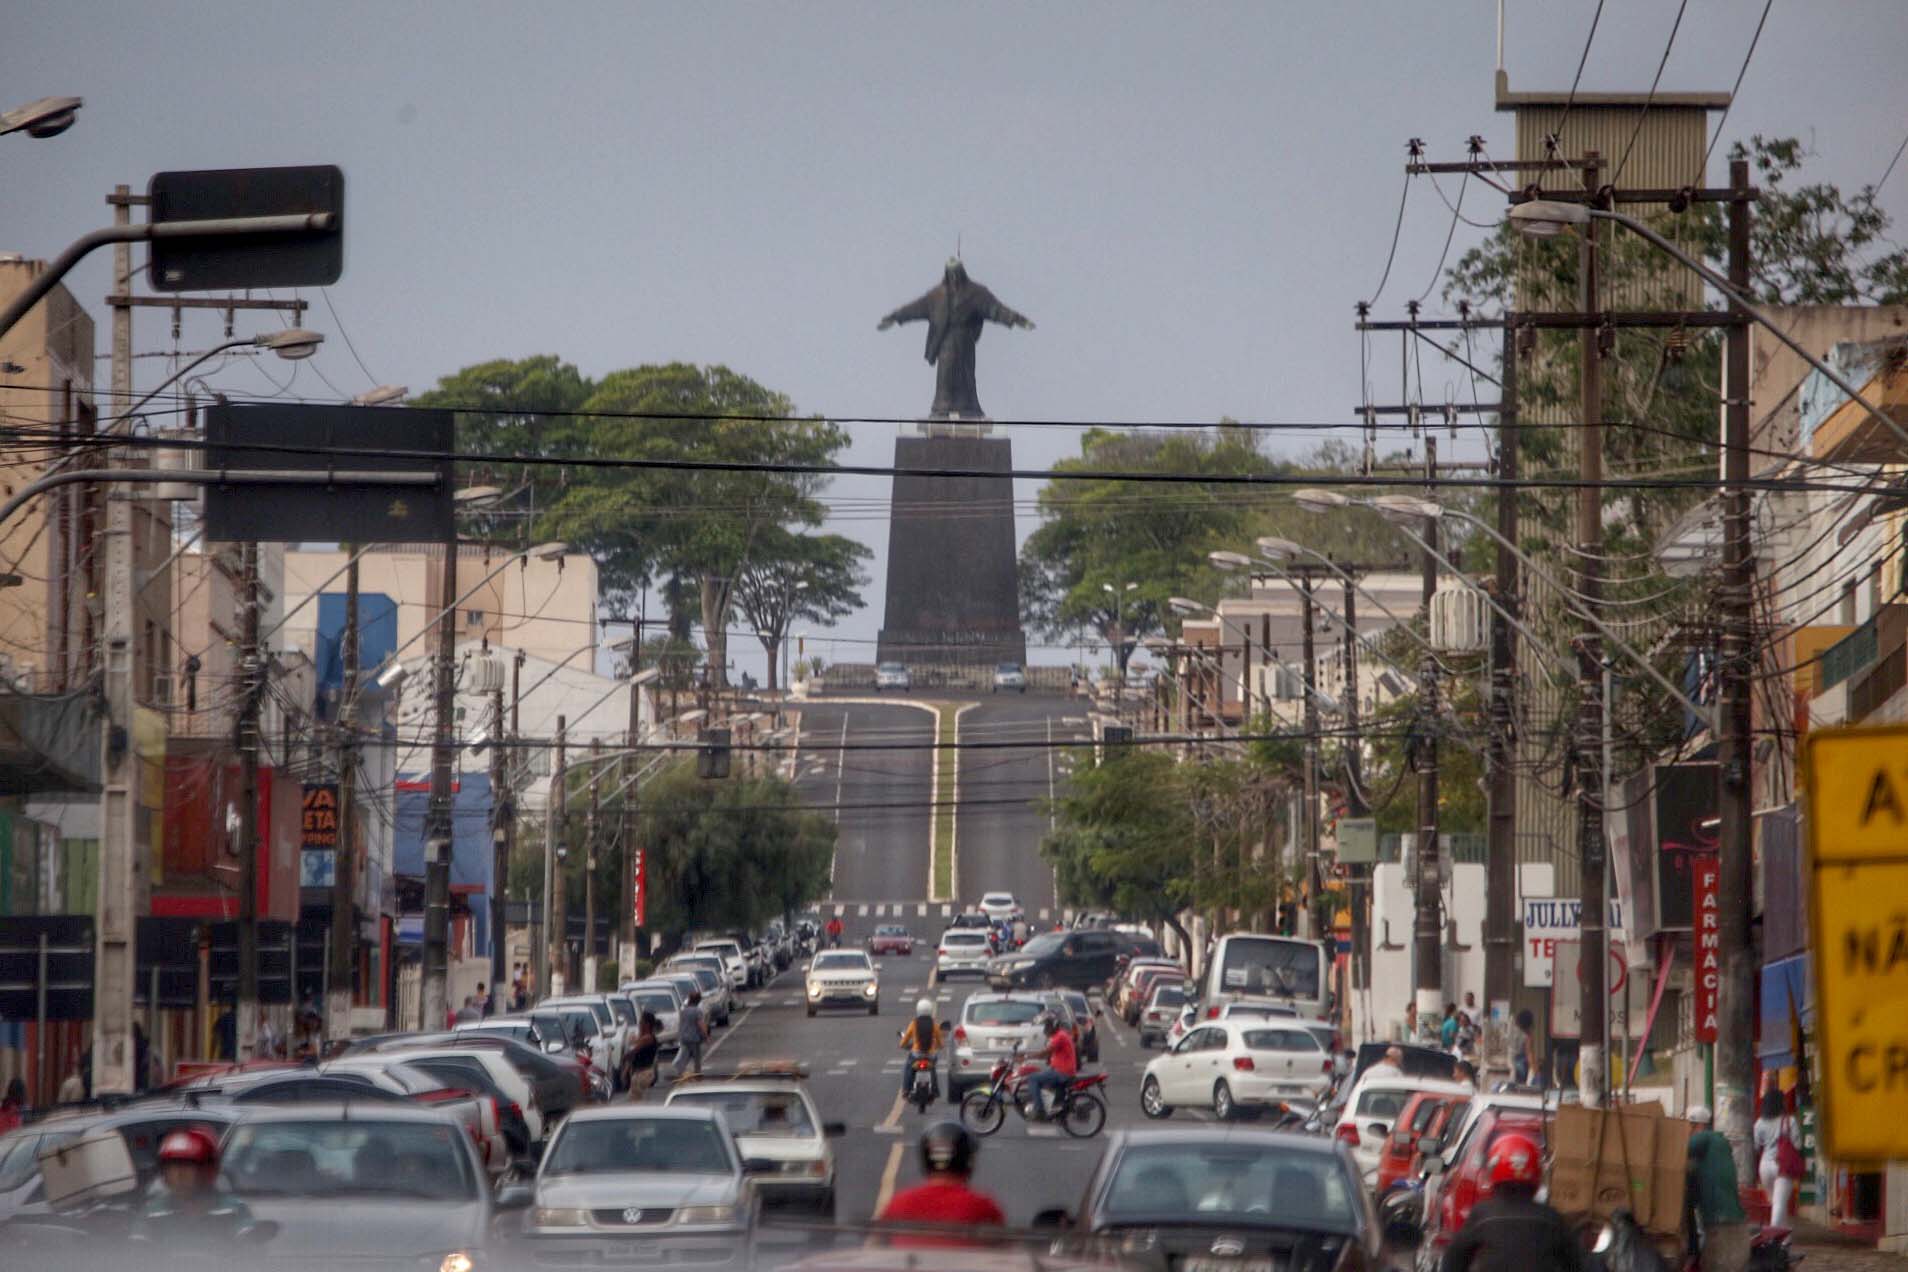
<point>1279,971</point>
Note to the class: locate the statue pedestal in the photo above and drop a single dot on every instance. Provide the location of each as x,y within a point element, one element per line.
<point>953,585</point>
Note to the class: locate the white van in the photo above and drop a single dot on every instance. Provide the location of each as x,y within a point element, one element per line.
<point>1254,967</point>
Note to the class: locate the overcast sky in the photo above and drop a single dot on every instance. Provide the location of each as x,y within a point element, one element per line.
<point>1188,199</point>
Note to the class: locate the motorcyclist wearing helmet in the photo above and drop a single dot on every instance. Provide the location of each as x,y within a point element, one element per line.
<point>1063,1064</point>
<point>187,1208</point>
<point>944,1197</point>
<point>922,1037</point>
<point>1510,1230</point>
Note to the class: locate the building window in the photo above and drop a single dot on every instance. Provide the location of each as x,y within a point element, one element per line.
<point>473,618</point>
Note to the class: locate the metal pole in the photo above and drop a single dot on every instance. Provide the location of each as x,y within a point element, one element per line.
<point>503,816</point>
<point>119,891</point>
<point>39,1019</point>
<point>1309,893</point>
<point>1427,927</point>
<point>435,995</point>
<point>1500,870</point>
<point>556,937</point>
<point>252,676</point>
<point>589,870</point>
<point>1355,805</point>
<point>1589,739</point>
<point>1735,885</point>
<point>344,873</point>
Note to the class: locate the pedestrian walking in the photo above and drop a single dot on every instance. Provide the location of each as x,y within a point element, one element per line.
<point>1524,1049</point>
<point>1712,1196</point>
<point>1448,1028</point>
<point>639,1066</point>
<point>692,1031</point>
<point>1779,1161</point>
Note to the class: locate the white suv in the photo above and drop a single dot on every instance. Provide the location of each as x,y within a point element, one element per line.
<point>962,950</point>
<point>1001,907</point>
<point>843,978</point>
<point>734,961</point>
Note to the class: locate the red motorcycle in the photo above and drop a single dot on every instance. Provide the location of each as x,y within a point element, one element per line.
<point>1079,1111</point>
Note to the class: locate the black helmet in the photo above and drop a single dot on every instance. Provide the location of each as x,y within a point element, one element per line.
<point>948,1149</point>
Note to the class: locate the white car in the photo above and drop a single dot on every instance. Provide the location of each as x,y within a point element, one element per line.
<point>662,999</point>
<point>991,1027</point>
<point>1191,1014</point>
<point>962,950</point>
<point>843,978</point>
<point>773,1120</point>
<point>706,976</point>
<point>501,1072</point>
<point>1001,907</point>
<point>1010,678</point>
<point>734,961</point>
<point>609,1025</point>
<point>892,675</point>
<point>644,1172</point>
<point>1365,1120</point>
<point>1230,1065</point>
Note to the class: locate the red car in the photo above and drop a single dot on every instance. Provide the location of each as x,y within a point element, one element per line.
<point>1467,1181</point>
<point>1426,1114</point>
<point>891,938</point>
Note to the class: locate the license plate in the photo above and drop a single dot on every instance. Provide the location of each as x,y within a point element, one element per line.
<point>1211,1263</point>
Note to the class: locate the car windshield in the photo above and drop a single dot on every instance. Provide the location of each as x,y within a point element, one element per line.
<point>579,1020</point>
<point>965,936</point>
<point>336,1158</point>
<point>1008,667</point>
<point>1044,945</point>
<point>1271,965</point>
<point>1173,995</point>
<point>646,1144</point>
<point>658,1001</point>
<point>515,1029</point>
<point>1007,1011</point>
<point>1232,1183</point>
<point>891,668</point>
<point>19,1155</point>
<point>1279,1040</point>
<point>624,1011</point>
<point>1383,1103</point>
<point>998,899</point>
<point>889,929</point>
<point>1078,1002</point>
<point>779,1113</point>
<point>841,961</point>
<point>706,978</point>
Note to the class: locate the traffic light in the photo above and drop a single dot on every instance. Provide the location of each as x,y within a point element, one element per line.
<point>712,759</point>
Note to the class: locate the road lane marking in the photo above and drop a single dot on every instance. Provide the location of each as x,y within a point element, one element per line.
<point>730,1032</point>
<point>848,1061</point>
<point>922,912</point>
<point>887,1179</point>
<point>863,913</point>
<point>891,1125</point>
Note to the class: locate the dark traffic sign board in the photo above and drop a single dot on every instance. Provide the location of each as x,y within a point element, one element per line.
<point>260,436</point>
<point>301,258</point>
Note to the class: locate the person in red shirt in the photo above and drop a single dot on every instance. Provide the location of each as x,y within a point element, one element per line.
<point>947,1159</point>
<point>1062,1065</point>
<point>834,929</point>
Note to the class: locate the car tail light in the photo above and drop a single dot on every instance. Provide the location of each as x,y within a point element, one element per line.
<point>960,1033</point>
<point>1347,1133</point>
<point>516,1110</point>
<point>1212,1013</point>
<point>1327,1066</point>
<point>1243,1064</point>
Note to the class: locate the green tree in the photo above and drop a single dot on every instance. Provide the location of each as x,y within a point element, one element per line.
<point>1121,835</point>
<point>791,578</point>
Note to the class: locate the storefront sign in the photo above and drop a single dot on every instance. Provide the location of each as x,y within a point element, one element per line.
<point>1857,819</point>
<point>1704,877</point>
<point>641,887</point>
<point>1548,920</point>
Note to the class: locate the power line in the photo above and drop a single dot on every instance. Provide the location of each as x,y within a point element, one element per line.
<point>1644,113</point>
<point>1551,142</point>
<point>1722,119</point>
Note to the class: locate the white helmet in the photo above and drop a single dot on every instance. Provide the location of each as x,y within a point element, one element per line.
<point>1699,1113</point>
<point>924,1007</point>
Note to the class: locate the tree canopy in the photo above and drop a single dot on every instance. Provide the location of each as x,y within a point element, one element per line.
<point>792,578</point>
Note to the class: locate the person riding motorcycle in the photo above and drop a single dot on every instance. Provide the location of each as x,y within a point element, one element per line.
<point>945,1197</point>
<point>1510,1230</point>
<point>834,929</point>
<point>187,1209</point>
<point>1062,1065</point>
<point>922,1038</point>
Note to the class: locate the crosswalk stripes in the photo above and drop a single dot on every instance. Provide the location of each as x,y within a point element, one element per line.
<point>922,910</point>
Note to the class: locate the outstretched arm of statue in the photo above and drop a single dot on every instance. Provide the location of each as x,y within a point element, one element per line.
<point>913,311</point>
<point>1007,317</point>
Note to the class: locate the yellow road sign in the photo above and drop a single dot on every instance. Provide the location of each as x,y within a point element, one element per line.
<point>1856,783</point>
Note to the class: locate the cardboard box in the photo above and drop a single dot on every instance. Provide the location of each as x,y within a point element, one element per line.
<point>1627,1158</point>
<point>91,1168</point>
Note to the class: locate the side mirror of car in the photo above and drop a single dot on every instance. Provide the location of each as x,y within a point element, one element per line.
<point>553,1046</point>
<point>517,1196</point>
<point>1053,1220</point>
<point>1428,1145</point>
<point>1433,1164</point>
<point>834,1130</point>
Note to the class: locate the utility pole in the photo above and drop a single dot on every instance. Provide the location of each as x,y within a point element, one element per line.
<point>1355,805</point>
<point>344,871</point>
<point>1589,731</point>
<point>626,886</point>
<point>589,871</point>
<point>1309,891</point>
<point>119,866</point>
<point>503,821</point>
<point>556,927</point>
<point>1427,926</point>
<point>1500,869</point>
<point>1735,882</point>
<point>437,835</point>
<point>252,679</point>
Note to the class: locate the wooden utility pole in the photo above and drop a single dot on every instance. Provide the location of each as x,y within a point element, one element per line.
<point>1500,869</point>
<point>1591,1058</point>
<point>344,872</point>
<point>589,871</point>
<point>1427,926</point>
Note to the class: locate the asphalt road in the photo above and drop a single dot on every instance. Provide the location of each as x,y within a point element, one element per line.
<point>999,820</point>
<point>881,797</point>
<point>855,1065</point>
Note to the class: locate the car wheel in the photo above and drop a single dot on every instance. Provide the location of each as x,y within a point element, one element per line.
<point>1222,1105</point>
<point>1152,1102</point>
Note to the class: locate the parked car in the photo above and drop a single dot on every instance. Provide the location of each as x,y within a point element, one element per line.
<point>1141,987</point>
<point>1122,986</point>
<point>711,976</point>
<point>891,938</point>
<point>735,963</point>
<point>1071,960</point>
<point>1010,678</point>
<point>1086,1019</point>
<point>962,952</point>
<point>1163,1007</point>
<point>892,675</point>
<point>774,1122</point>
<point>1235,1066</point>
<point>1213,1198</point>
<point>1466,1181</point>
<point>606,1050</point>
<point>843,978</point>
<point>663,1184</point>
<point>1422,1119</point>
<point>142,1126</point>
<point>991,1027</point>
<point>662,999</point>
<point>551,1080</point>
<point>1364,1121</point>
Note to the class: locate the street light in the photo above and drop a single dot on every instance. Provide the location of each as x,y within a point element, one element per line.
<point>380,396</point>
<point>294,344</point>
<point>1120,651</point>
<point>48,117</point>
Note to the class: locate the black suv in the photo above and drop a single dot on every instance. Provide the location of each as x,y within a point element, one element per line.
<point>1059,960</point>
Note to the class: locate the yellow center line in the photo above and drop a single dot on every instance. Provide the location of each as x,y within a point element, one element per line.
<point>887,1179</point>
<point>893,1120</point>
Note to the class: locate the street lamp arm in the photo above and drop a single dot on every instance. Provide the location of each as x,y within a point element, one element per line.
<point>1742,302</point>
<point>1537,644</point>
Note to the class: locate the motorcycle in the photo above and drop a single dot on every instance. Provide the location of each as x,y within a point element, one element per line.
<point>1080,1112</point>
<point>922,1085</point>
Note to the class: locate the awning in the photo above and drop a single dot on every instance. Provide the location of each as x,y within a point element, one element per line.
<point>1786,1008</point>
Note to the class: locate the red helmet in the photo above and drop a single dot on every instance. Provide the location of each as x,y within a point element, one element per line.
<point>189,1144</point>
<point>1515,1159</point>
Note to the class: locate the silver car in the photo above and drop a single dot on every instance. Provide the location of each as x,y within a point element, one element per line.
<point>992,1026</point>
<point>712,982</point>
<point>669,1177</point>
